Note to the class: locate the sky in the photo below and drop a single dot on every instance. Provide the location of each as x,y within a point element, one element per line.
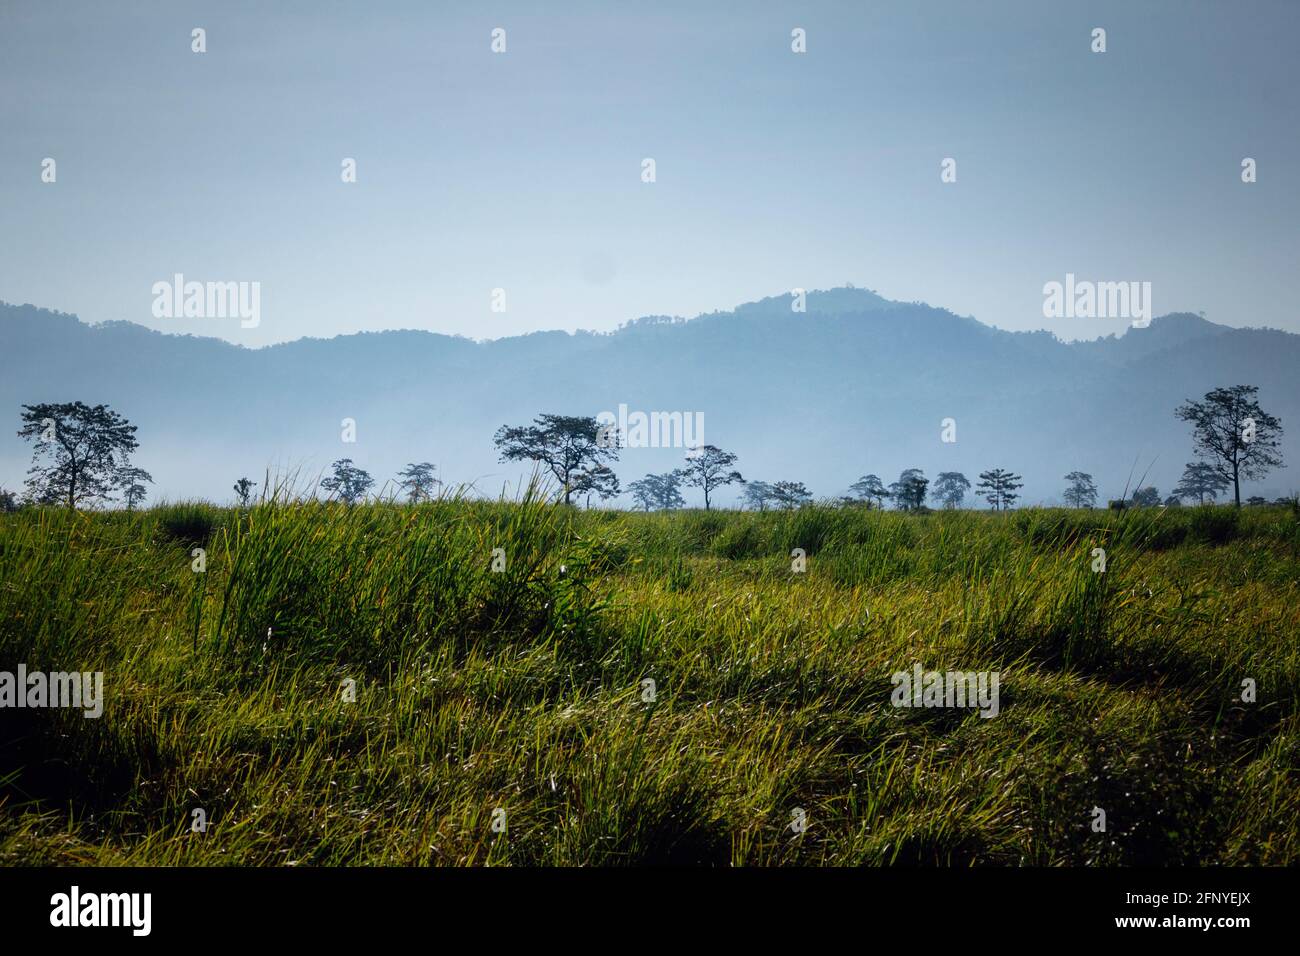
<point>522,170</point>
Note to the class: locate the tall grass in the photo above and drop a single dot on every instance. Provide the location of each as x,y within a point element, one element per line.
<point>525,691</point>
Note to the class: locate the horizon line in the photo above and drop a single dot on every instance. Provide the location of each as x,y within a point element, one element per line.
<point>890,305</point>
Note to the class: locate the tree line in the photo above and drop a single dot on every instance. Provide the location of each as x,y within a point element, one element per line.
<point>82,456</point>
<point>1234,438</point>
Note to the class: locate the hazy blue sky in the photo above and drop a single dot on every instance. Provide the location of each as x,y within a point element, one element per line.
<point>522,170</point>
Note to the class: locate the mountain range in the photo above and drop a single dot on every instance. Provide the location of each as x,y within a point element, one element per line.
<point>855,384</point>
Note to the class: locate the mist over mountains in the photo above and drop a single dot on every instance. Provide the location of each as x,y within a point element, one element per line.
<point>855,384</point>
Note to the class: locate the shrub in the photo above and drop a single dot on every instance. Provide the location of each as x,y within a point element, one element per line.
<point>189,522</point>
<point>1214,524</point>
<point>740,540</point>
<point>1053,528</point>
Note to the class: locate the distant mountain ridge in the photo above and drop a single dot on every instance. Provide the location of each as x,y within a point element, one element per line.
<point>855,384</point>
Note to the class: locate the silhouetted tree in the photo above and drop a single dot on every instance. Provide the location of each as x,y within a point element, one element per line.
<point>790,494</point>
<point>868,488</point>
<point>851,501</point>
<point>1147,497</point>
<point>87,448</point>
<point>644,492</point>
<point>8,501</point>
<point>244,490</point>
<point>573,447</point>
<point>950,488</point>
<point>662,492</point>
<point>709,468</point>
<point>596,480</point>
<point>418,480</point>
<point>908,491</point>
<point>349,482</point>
<point>1235,436</point>
<point>131,481</point>
<point>758,495</point>
<point>1200,481</point>
<point>999,488</point>
<point>1081,491</point>
<point>670,496</point>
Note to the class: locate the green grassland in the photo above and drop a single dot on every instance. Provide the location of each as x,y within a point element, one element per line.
<point>522,689</point>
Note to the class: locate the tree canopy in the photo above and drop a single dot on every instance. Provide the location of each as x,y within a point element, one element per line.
<point>950,488</point>
<point>758,494</point>
<point>999,488</point>
<point>1200,481</point>
<point>1081,492</point>
<point>1236,437</point>
<point>659,492</point>
<point>908,491</point>
<point>348,482</point>
<point>574,448</point>
<point>1148,497</point>
<point>790,494</point>
<point>132,482</point>
<point>709,468</point>
<point>870,488</point>
<point>82,453</point>
<point>418,480</point>
<point>595,480</point>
